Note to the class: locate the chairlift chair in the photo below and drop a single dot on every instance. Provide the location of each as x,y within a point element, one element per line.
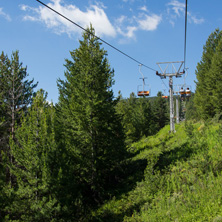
<point>164,94</point>
<point>185,93</point>
<point>143,90</point>
<point>143,93</point>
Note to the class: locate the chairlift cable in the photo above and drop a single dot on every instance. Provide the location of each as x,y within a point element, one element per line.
<point>95,36</point>
<point>165,84</point>
<point>185,37</point>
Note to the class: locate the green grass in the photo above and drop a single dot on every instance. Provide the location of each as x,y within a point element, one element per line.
<point>180,181</point>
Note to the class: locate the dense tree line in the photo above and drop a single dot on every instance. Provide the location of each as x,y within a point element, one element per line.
<point>142,116</point>
<point>58,162</point>
<point>208,96</point>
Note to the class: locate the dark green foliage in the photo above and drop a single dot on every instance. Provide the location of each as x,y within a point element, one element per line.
<point>34,153</point>
<point>191,110</point>
<point>216,78</point>
<point>182,181</point>
<point>89,130</point>
<point>16,92</point>
<point>3,197</point>
<point>15,96</point>
<point>138,120</point>
<point>160,112</point>
<point>208,89</point>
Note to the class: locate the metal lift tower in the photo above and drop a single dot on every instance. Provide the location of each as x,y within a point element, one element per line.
<point>175,72</point>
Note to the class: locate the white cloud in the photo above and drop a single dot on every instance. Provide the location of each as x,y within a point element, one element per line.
<point>144,8</point>
<point>5,16</point>
<point>121,19</point>
<point>124,26</point>
<point>149,23</point>
<point>94,14</point>
<point>128,32</point>
<point>130,1</point>
<point>30,18</point>
<point>24,7</point>
<point>127,27</point>
<point>177,9</point>
<point>194,19</point>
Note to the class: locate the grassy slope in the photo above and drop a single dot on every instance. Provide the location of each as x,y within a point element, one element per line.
<point>182,178</point>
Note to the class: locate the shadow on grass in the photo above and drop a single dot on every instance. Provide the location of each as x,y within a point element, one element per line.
<point>131,173</point>
<point>125,179</point>
<point>109,216</point>
<point>170,157</point>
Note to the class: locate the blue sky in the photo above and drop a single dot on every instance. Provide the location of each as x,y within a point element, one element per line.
<point>150,31</point>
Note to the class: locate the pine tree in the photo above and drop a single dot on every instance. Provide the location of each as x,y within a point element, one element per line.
<point>137,118</point>
<point>145,116</point>
<point>34,165</point>
<point>205,83</point>
<point>191,113</point>
<point>15,96</point>
<point>127,108</point>
<point>89,128</point>
<point>216,79</point>
<point>16,90</point>
<point>159,108</point>
<point>3,197</point>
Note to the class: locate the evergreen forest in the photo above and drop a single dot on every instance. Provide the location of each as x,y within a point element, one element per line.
<point>100,158</point>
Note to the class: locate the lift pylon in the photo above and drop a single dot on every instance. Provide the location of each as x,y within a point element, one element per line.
<point>165,73</point>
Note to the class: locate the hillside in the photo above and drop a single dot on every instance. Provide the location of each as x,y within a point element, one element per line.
<point>177,177</point>
<point>94,157</point>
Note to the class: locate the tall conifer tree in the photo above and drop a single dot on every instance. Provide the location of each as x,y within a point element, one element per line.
<point>90,129</point>
<point>16,93</point>
<point>128,109</point>
<point>137,118</point>
<point>160,112</point>
<point>16,90</point>
<point>203,99</point>
<point>34,154</point>
<point>216,79</point>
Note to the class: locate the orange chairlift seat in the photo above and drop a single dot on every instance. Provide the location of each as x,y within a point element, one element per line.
<point>143,93</point>
<point>142,89</point>
<point>185,94</point>
<point>164,96</point>
<point>182,92</point>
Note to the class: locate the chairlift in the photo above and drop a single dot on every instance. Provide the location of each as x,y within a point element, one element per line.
<point>185,92</point>
<point>143,93</point>
<point>143,90</point>
<point>164,95</point>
